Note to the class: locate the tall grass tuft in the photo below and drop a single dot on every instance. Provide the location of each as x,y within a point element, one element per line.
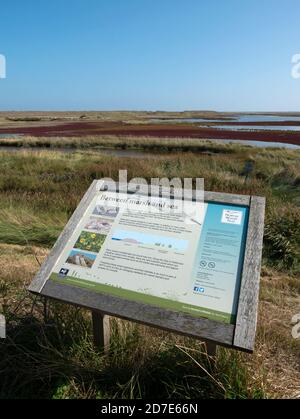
<point>282,238</point>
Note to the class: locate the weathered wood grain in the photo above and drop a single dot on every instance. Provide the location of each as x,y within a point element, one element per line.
<point>2,327</point>
<point>179,322</point>
<point>217,197</point>
<point>229,199</point>
<point>101,330</point>
<point>245,330</point>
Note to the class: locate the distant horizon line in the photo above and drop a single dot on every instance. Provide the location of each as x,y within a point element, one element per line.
<point>146,110</point>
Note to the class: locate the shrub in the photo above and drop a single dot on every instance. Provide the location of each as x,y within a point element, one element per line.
<point>282,238</point>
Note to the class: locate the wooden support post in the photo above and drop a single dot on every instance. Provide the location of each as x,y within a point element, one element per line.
<point>101,331</point>
<point>211,349</point>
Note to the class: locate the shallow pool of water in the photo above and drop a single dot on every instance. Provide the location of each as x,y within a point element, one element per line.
<point>266,118</point>
<point>235,118</point>
<point>8,135</point>
<point>226,124</point>
<point>190,120</point>
<point>257,127</point>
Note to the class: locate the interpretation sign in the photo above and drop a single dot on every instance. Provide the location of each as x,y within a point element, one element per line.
<point>178,262</point>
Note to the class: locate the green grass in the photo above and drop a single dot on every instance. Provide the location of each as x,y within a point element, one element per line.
<point>49,351</point>
<point>55,358</point>
<point>39,191</point>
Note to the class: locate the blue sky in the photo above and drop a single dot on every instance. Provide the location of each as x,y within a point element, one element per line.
<point>149,54</point>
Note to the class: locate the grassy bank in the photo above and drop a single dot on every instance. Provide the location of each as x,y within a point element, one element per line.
<point>119,143</point>
<point>125,142</point>
<point>49,351</point>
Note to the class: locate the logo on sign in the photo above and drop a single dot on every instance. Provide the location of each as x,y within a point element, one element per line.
<point>232,217</point>
<point>63,272</point>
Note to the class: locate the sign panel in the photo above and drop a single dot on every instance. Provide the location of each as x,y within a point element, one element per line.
<point>192,267</point>
<point>187,260</point>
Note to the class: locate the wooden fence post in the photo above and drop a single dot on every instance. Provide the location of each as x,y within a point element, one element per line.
<point>211,349</point>
<point>101,331</point>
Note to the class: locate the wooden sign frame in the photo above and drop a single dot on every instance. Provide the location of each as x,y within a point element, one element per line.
<point>240,336</point>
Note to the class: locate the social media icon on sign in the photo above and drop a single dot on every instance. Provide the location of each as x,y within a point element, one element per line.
<point>199,290</point>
